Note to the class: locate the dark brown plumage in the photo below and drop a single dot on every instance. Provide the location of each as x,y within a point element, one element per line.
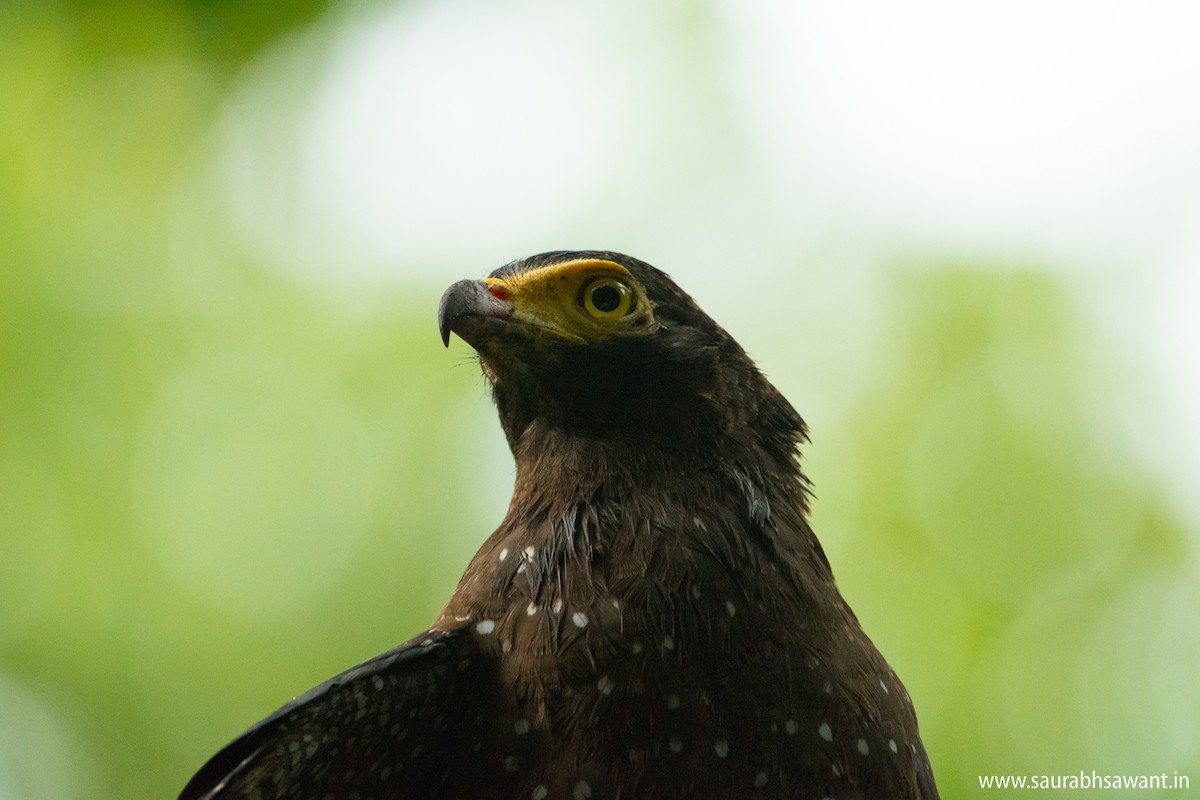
<point>654,618</point>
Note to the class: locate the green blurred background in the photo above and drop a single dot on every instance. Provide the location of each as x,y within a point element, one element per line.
<point>235,459</point>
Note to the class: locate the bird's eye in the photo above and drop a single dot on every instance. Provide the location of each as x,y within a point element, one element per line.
<point>607,298</point>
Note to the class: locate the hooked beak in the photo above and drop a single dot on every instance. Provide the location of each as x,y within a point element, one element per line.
<point>468,306</point>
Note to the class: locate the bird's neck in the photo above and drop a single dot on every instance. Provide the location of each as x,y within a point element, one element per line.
<point>731,433</point>
<point>578,499</point>
<point>653,534</point>
<point>573,467</point>
<point>653,529</point>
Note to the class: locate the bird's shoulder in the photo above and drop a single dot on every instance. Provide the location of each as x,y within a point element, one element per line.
<point>396,719</point>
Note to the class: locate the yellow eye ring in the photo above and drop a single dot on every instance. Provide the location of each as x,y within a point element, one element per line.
<point>606,298</point>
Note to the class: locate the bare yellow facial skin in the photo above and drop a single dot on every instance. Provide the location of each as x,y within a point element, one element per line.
<point>581,300</point>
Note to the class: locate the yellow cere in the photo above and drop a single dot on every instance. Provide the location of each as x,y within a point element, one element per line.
<point>579,299</point>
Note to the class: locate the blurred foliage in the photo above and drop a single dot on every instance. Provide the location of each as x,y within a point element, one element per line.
<point>217,488</point>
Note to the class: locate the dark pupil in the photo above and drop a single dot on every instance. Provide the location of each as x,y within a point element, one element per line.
<point>606,298</point>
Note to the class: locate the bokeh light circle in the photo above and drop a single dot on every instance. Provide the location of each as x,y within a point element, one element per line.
<point>434,134</point>
<point>254,483</point>
<point>37,761</point>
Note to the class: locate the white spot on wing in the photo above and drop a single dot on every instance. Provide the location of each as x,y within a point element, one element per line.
<point>486,626</point>
<point>580,619</point>
<point>826,732</point>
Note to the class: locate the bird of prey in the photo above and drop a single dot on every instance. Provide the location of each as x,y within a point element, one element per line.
<point>654,618</point>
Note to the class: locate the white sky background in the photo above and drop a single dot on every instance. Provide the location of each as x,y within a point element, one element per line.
<point>801,142</point>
